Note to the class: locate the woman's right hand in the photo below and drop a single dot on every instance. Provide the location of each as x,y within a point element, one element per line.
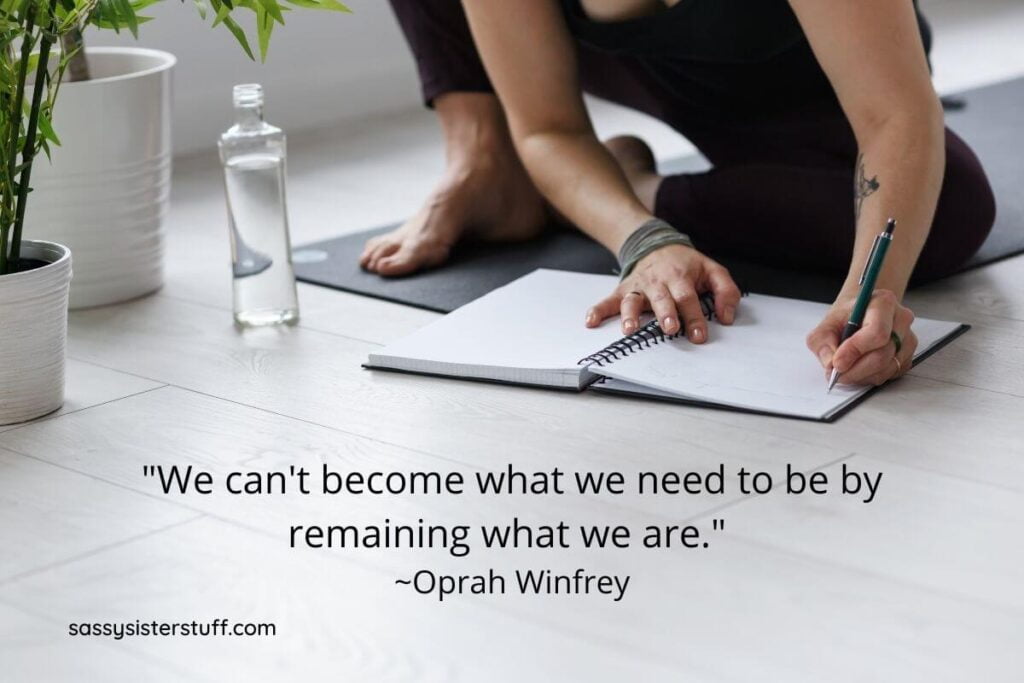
<point>668,282</point>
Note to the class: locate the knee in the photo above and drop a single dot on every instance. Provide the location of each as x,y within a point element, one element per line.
<point>964,216</point>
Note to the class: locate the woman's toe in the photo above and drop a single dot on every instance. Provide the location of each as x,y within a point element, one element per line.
<point>410,259</point>
<point>401,262</point>
<point>382,252</point>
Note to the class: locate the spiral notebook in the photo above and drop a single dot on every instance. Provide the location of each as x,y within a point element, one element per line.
<point>531,332</point>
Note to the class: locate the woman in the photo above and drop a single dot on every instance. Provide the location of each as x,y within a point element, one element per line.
<point>800,106</point>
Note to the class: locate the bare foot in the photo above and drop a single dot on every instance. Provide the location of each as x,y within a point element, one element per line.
<point>637,162</point>
<point>485,194</point>
<point>492,202</point>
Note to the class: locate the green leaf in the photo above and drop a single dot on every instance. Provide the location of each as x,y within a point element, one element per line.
<point>264,26</point>
<point>104,24</point>
<point>46,128</point>
<point>239,34</point>
<point>118,14</point>
<point>223,11</point>
<point>128,16</point>
<point>273,9</point>
<point>330,5</point>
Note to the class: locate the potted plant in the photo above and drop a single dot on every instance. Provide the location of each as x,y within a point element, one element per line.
<point>35,274</point>
<point>107,189</point>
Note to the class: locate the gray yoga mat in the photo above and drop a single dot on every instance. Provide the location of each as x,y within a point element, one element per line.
<point>990,123</point>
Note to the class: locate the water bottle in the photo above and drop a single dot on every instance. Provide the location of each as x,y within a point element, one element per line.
<point>253,154</point>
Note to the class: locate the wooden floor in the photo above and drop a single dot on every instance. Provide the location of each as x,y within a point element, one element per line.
<point>926,583</point>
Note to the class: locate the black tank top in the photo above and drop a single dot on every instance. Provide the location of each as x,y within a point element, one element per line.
<point>719,31</point>
<point>711,31</point>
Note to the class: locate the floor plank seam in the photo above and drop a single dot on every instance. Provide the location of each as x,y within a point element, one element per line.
<point>136,375</point>
<point>336,430</point>
<point>300,324</point>
<point>916,468</point>
<point>57,416</point>
<point>155,496</point>
<point>199,513</point>
<point>756,496</point>
<point>997,316</point>
<point>948,475</point>
<point>964,386</point>
<point>284,416</point>
<point>14,578</point>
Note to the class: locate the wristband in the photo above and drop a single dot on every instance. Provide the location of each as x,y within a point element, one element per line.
<point>649,237</point>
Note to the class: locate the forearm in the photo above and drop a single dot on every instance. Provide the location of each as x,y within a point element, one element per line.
<point>899,175</point>
<point>582,181</point>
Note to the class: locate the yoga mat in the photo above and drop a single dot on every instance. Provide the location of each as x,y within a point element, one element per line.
<point>990,123</point>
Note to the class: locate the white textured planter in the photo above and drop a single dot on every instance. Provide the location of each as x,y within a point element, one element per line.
<point>33,334</point>
<point>107,190</point>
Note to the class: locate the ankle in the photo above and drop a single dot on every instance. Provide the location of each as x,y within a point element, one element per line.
<point>475,130</point>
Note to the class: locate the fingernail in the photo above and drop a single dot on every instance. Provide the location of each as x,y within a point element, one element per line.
<point>628,327</point>
<point>825,356</point>
<point>730,314</point>
<point>668,325</point>
<point>590,317</point>
<point>697,335</point>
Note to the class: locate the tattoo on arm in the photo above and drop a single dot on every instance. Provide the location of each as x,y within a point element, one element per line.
<point>863,187</point>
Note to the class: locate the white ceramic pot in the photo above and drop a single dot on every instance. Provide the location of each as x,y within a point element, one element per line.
<point>107,190</point>
<point>33,334</point>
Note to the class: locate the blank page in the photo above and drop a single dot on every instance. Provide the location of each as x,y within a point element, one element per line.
<point>530,331</point>
<point>759,363</point>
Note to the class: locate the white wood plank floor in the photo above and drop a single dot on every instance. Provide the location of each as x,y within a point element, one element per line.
<point>924,584</point>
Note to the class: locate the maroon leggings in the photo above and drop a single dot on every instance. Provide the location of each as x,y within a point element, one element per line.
<point>780,191</point>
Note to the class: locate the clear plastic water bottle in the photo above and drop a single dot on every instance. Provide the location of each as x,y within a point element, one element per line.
<point>253,154</point>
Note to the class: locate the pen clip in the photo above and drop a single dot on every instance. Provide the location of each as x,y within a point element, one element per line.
<point>870,258</point>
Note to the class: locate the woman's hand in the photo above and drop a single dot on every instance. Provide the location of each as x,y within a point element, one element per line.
<point>668,282</point>
<point>870,355</point>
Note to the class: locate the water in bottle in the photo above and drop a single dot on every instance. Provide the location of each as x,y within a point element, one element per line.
<point>253,154</point>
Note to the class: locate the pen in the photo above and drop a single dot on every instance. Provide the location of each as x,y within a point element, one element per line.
<point>867,288</point>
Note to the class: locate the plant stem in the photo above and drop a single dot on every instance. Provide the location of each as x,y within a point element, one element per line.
<point>15,114</point>
<point>28,151</point>
<point>19,96</point>
<point>74,45</point>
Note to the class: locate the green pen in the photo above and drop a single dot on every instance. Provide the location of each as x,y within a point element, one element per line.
<point>867,288</point>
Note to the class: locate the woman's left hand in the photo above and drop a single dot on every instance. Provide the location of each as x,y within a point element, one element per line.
<point>870,356</point>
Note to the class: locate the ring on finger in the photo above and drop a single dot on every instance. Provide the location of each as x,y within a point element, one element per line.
<point>897,342</point>
<point>899,366</point>
<point>635,293</point>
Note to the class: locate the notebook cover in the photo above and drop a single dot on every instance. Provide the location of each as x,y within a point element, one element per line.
<point>479,380</point>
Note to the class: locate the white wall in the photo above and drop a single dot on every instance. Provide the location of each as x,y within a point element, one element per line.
<point>322,67</point>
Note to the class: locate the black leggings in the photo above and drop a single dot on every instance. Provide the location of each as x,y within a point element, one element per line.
<point>781,188</point>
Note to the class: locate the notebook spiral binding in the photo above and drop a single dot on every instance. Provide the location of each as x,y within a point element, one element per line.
<point>649,335</point>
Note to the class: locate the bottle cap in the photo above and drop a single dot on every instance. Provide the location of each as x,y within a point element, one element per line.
<point>248,95</point>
